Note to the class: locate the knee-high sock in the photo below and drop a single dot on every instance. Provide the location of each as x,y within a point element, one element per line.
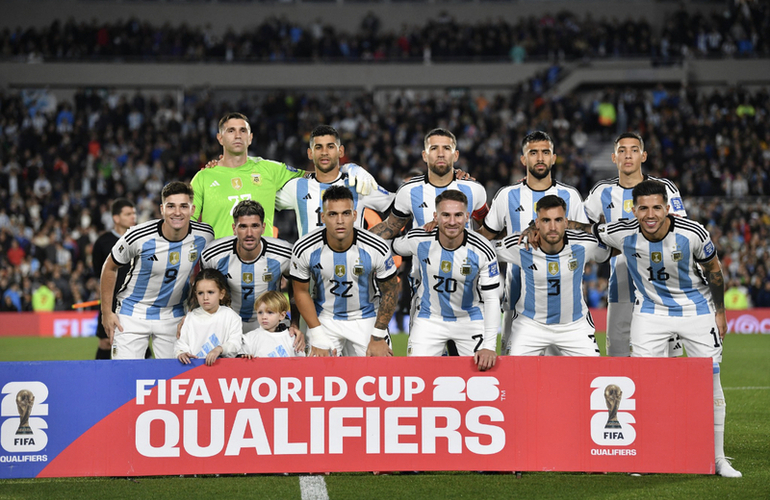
<point>719,415</point>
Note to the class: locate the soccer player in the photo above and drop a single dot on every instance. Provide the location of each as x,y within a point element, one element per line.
<point>416,198</point>
<point>666,258</point>
<point>239,177</point>
<point>163,254</point>
<point>303,195</point>
<point>123,217</point>
<point>456,282</point>
<point>350,267</point>
<point>251,262</point>
<point>609,201</point>
<point>551,308</point>
<point>515,207</point>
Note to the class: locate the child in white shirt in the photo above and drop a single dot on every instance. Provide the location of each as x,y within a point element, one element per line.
<point>271,339</point>
<point>210,329</point>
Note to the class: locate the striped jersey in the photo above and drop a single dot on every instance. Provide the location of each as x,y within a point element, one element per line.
<point>304,196</point>
<point>344,283</point>
<point>666,274</point>
<point>448,283</point>
<point>609,199</point>
<point>158,281</point>
<point>249,280</point>
<point>552,289</point>
<point>514,207</point>
<point>417,198</point>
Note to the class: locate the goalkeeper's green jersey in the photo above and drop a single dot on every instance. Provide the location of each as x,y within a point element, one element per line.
<point>219,189</point>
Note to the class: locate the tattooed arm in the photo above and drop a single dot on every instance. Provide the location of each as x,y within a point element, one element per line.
<point>390,227</point>
<point>716,282</point>
<point>388,303</point>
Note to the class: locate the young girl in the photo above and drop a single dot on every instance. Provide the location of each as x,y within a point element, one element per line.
<point>213,329</point>
<point>271,339</point>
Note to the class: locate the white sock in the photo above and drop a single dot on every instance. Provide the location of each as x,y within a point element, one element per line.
<point>719,415</point>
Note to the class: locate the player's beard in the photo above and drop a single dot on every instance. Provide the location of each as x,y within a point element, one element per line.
<point>540,175</point>
<point>331,166</point>
<point>441,170</point>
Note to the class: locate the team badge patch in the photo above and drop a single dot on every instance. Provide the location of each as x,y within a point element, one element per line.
<point>267,277</point>
<point>247,277</point>
<point>237,183</point>
<point>709,248</point>
<point>193,255</point>
<point>628,205</point>
<point>358,270</point>
<point>677,203</point>
<point>256,179</point>
<point>572,264</point>
<point>339,270</point>
<point>446,266</point>
<point>656,257</point>
<point>121,248</point>
<point>173,258</point>
<point>553,268</point>
<point>466,270</point>
<point>389,263</point>
<point>493,270</point>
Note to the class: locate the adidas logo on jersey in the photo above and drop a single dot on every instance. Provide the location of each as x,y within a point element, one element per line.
<point>635,254</point>
<point>426,260</point>
<point>154,258</point>
<point>307,197</point>
<point>533,267</point>
<point>423,205</point>
<point>610,206</point>
<point>318,266</point>
<point>214,184</point>
<point>228,276</point>
<point>519,209</point>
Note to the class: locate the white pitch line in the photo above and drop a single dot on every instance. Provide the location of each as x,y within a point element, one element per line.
<point>758,388</point>
<point>313,488</point>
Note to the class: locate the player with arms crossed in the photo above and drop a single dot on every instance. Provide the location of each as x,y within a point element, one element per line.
<point>303,195</point>
<point>551,309</point>
<point>163,255</point>
<point>456,281</point>
<point>609,201</point>
<point>252,264</point>
<point>239,177</point>
<point>667,257</point>
<point>349,267</point>
<point>514,208</point>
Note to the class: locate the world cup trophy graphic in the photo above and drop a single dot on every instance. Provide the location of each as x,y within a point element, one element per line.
<point>612,396</point>
<point>24,402</point>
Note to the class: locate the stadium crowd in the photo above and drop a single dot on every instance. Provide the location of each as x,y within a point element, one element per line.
<point>61,163</point>
<point>734,30</point>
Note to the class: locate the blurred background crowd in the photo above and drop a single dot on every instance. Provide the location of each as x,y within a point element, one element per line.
<point>64,159</point>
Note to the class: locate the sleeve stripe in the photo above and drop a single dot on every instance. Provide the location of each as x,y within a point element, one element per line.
<point>373,241</point>
<point>482,244</point>
<point>202,226</point>
<point>693,227</point>
<point>603,184</point>
<point>307,242</point>
<point>220,248</point>
<point>141,232</point>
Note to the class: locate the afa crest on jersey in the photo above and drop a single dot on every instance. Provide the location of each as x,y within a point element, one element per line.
<point>466,270</point>
<point>193,255</point>
<point>572,264</point>
<point>247,277</point>
<point>676,255</point>
<point>339,270</point>
<point>656,257</point>
<point>256,179</point>
<point>267,277</point>
<point>236,183</point>
<point>358,270</point>
<point>173,258</point>
<point>553,268</point>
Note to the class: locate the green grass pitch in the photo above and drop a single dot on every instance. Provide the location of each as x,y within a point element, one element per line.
<point>745,377</point>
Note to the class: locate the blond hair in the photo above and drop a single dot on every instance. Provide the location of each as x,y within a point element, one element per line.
<point>275,301</point>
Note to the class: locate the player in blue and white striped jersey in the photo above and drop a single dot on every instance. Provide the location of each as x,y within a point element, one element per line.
<point>163,255</point>
<point>609,201</point>
<point>551,309</point>
<point>667,257</point>
<point>355,285</point>
<point>303,195</point>
<point>515,207</point>
<point>253,264</point>
<point>456,281</point>
<point>415,199</point>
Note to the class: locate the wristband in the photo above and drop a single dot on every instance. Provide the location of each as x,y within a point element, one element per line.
<point>318,337</point>
<point>380,333</point>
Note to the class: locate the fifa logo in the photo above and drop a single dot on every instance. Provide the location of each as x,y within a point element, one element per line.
<point>613,398</point>
<point>24,403</point>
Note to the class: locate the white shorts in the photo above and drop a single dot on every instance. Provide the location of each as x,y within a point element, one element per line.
<point>428,336</point>
<point>651,334</point>
<point>532,338</point>
<point>619,316</point>
<point>132,342</point>
<point>350,337</point>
